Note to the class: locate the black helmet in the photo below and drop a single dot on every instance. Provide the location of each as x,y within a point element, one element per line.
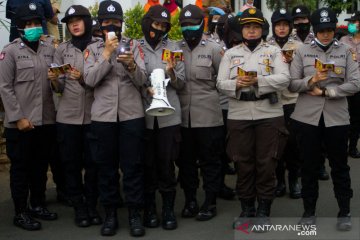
<point>191,14</point>
<point>300,11</point>
<point>323,18</point>
<point>158,13</point>
<point>281,15</point>
<point>28,12</point>
<point>76,11</point>
<point>110,9</point>
<point>251,15</point>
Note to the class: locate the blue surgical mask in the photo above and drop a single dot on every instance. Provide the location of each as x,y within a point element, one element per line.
<point>352,28</point>
<point>192,28</point>
<point>33,34</point>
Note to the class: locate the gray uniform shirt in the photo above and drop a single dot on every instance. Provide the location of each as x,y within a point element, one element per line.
<point>24,86</point>
<point>344,81</point>
<point>287,97</point>
<point>199,98</point>
<point>273,76</point>
<point>76,100</point>
<point>116,91</point>
<point>355,47</point>
<point>153,60</point>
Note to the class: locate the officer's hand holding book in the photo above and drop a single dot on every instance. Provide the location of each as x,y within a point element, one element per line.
<point>171,63</point>
<point>74,74</point>
<point>24,125</point>
<point>111,44</point>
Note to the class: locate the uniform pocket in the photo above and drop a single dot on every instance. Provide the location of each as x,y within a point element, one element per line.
<point>203,70</point>
<point>266,66</point>
<point>25,71</point>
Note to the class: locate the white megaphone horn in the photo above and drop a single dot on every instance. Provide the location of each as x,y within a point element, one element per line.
<point>160,105</point>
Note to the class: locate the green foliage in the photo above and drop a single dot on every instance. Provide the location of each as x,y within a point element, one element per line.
<point>337,5</point>
<point>133,22</point>
<point>289,4</point>
<point>94,9</point>
<point>175,31</point>
<point>3,22</point>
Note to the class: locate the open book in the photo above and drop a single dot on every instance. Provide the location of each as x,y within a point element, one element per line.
<point>330,65</point>
<point>62,69</point>
<point>176,55</point>
<point>288,52</point>
<point>241,72</point>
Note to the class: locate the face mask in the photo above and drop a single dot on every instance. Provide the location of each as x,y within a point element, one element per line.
<point>33,34</point>
<point>153,41</point>
<point>112,28</point>
<point>192,34</point>
<point>302,27</point>
<point>352,28</point>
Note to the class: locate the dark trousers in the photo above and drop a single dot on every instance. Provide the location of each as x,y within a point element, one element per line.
<point>310,139</point>
<point>204,145</point>
<point>255,146</point>
<point>162,149</point>
<point>290,158</point>
<point>57,170</point>
<point>354,111</point>
<point>75,156</point>
<point>29,153</point>
<point>114,143</point>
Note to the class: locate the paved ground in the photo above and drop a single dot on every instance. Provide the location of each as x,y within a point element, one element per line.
<point>217,229</point>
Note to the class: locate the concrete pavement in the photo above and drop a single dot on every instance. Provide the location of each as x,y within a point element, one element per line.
<point>189,229</point>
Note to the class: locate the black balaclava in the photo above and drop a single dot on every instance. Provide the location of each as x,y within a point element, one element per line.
<point>302,30</point>
<point>111,28</point>
<point>252,43</point>
<point>147,29</point>
<point>82,41</point>
<point>193,37</point>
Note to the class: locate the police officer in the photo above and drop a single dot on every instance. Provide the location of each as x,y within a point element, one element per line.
<point>73,118</point>
<point>354,101</point>
<point>281,28</point>
<point>117,117</point>
<point>321,113</point>
<point>29,116</point>
<point>301,21</point>
<point>256,131</point>
<point>201,116</point>
<point>163,132</point>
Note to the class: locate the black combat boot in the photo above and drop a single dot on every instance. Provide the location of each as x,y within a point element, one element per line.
<point>168,221</point>
<point>280,188</point>
<point>353,139</point>
<point>81,212</point>
<point>208,209</point>
<point>136,227</point>
<point>262,217</point>
<point>110,224</point>
<point>24,220</point>
<point>42,212</point>
<point>150,217</point>
<point>308,217</point>
<point>323,174</point>
<point>94,216</point>
<point>191,207</point>
<point>247,211</point>
<point>344,216</point>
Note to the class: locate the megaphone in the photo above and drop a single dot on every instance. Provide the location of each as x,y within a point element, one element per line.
<point>160,105</point>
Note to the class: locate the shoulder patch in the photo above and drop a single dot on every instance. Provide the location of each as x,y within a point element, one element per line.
<point>2,56</point>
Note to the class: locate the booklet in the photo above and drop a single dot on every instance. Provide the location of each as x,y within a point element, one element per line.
<point>62,69</point>
<point>330,65</point>
<point>241,72</point>
<point>168,54</point>
<point>288,52</point>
